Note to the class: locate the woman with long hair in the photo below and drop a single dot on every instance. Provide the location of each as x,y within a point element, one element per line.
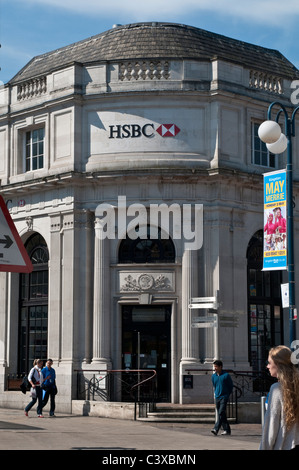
<point>281,425</point>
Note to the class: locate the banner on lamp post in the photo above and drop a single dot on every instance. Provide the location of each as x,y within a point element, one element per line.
<point>275,225</point>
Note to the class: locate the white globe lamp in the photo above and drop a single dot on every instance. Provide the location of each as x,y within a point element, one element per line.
<point>269,132</point>
<point>279,146</point>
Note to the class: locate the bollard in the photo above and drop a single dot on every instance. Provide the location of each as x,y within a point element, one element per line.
<point>263,409</point>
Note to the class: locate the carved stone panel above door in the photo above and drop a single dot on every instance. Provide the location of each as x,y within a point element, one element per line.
<point>130,281</point>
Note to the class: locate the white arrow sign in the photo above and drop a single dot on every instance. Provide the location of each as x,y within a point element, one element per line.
<point>203,325</point>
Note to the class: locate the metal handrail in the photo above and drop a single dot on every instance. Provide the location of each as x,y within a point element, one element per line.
<point>107,391</point>
<point>247,383</point>
<point>143,381</point>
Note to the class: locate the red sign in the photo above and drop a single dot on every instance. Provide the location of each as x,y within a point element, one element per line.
<point>13,254</point>
<point>168,130</point>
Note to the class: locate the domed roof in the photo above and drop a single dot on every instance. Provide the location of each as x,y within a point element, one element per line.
<point>158,40</point>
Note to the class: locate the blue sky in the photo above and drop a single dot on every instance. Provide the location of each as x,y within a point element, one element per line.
<point>32,27</point>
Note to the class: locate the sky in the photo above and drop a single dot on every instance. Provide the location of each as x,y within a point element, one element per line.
<point>32,27</point>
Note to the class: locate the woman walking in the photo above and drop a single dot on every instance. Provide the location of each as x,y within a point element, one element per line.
<point>281,426</point>
<point>35,378</point>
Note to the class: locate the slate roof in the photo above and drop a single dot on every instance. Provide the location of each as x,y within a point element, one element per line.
<point>159,40</point>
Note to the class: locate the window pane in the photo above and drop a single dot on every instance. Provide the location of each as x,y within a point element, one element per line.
<point>260,154</point>
<point>34,149</point>
<point>34,153</point>
<point>257,158</point>
<point>147,250</point>
<point>264,159</point>
<point>272,160</point>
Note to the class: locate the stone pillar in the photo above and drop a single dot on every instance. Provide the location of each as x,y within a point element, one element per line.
<point>88,301</point>
<point>69,289</point>
<point>101,306</point>
<point>201,391</point>
<point>189,289</point>
<point>55,288</point>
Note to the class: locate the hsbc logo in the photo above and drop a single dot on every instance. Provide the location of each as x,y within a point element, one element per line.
<point>168,130</point>
<point>148,130</point>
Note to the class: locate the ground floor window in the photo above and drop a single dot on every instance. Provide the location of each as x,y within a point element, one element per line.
<point>33,302</point>
<point>265,320</point>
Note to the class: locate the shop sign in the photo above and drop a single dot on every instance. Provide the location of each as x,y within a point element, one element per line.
<point>147,130</point>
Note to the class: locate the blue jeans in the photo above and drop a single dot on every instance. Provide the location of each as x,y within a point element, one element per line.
<point>50,392</point>
<point>38,399</point>
<point>222,418</point>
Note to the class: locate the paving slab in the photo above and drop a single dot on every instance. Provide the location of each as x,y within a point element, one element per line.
<point>71,432</point>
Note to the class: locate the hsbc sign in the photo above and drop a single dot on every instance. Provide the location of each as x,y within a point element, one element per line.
<point>147,130</point>
<point>168,130</point>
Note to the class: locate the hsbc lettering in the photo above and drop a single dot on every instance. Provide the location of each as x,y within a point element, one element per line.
<point>131,130</point>
<point>147,130</point>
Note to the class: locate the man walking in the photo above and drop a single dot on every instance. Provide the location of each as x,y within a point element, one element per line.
<point>49,386</point>
<point>223,386</point>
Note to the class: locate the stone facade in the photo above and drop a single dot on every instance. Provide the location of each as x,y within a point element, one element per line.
<point>102,109</point>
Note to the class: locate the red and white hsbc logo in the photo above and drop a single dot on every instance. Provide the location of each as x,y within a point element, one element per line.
<point>147,130</point>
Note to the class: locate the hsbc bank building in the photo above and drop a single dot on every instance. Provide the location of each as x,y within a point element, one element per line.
<point>132,169</point>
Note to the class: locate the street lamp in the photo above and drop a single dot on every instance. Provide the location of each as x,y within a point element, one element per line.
<point>276,142</point>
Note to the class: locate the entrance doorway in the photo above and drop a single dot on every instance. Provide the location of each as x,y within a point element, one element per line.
<point>146,343</point>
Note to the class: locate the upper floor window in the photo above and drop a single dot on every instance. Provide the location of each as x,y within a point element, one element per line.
<point>35,149</point>
<point>260,154</point>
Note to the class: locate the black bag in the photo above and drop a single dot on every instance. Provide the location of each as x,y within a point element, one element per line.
<point>25,385</point>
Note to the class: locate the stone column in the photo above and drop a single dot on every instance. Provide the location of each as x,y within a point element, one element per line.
<point>190,347</point>
<point>101,307</point>
<point>88,301</point>
<point>201,391</point>
<point>55,288</point>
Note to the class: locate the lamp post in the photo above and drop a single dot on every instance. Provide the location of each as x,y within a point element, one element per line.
<point>276,142</point>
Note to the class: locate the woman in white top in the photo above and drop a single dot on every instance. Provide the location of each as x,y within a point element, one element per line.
<point>35,377</point>
<point>281,426</point>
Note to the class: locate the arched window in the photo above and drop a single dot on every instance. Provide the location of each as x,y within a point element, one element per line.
<point>147,250</point>
<point>33,301</point>
<point>264,305</point>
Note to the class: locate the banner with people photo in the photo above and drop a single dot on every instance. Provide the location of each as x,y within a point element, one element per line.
<point>275,225</point>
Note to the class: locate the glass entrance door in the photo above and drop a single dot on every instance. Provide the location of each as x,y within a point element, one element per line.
<point>146,344</point>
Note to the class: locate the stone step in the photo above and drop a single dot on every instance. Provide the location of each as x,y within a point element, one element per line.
<point>175,413</point>
<point>183,414</point>
<point>185,410</point>
<point>172,419</point>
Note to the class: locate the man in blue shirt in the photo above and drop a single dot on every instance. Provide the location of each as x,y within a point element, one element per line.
<point>49,385</point>
<point>223,386</point>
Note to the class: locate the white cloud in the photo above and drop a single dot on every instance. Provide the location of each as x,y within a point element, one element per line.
<point>270,12</point>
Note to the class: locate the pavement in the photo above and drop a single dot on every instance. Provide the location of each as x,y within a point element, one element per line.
<point>113,436</point>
